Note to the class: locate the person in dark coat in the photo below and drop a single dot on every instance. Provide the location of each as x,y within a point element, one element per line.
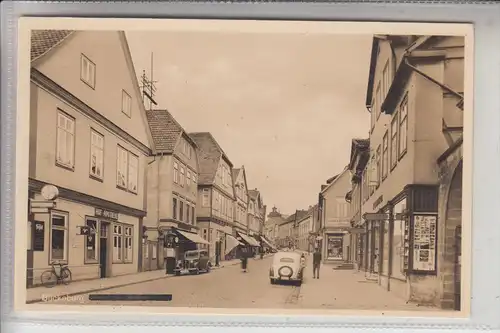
<point>244,259</point>
<point>316,263</point>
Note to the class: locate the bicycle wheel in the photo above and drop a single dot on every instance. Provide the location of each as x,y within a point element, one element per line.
<point>49,279</point>
<point>66,276</point>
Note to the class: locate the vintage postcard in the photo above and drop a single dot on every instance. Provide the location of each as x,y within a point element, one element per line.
<point>240,166</point>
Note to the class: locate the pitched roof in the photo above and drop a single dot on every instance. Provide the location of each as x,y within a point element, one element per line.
<point>209,155</point>
<point>297,216</point>
<point>346,169</point>
<point>254,194</point>
<point>42,41</point>
<point>164,129</point>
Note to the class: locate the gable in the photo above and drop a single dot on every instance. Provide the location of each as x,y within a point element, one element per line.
<point>339,187</point>
<point>114,73</point>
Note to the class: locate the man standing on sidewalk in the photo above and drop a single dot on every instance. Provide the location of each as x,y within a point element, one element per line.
<point>316,263</point>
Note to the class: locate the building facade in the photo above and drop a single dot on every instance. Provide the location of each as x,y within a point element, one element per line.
<point>415,96</point>
<point>216,195</point>
<point>335,218</point>
<point>240,213</point>
<point>90,138</point>
<point>272,225</point>
<point>360,154</point>
<point>172,178</point>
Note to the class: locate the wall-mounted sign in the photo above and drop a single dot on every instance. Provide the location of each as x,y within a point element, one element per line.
<point>108,214</point>
<point>38,235</point>
<point>424,243</point>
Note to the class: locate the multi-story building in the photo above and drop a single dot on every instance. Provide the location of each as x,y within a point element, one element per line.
<point>256,213</point>
<point>415,97</point>
<point>304,227</point>
<point>240,212</point>
<point>335,218</point>
<point>288,232</point>
<point>360,154</point>
<point>272,224</point>
<point>172,178</point>
<point>216,195</point>
<point>89,137</point>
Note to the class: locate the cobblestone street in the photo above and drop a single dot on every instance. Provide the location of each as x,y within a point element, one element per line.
<point>229,287</point>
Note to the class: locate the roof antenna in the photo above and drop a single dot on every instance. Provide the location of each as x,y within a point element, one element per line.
<point>148,88</point>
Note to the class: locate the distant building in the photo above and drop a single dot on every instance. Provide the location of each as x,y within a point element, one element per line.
<point>216,195</point>
<point>271,226</point>
<point>90,138</point>
<point>335,218</point>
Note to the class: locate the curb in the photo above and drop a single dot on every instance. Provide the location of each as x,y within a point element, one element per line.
<point>38,300</point>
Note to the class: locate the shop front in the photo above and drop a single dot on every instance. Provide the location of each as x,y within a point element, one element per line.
<point>94,242</point>
<point>176,243</point>
<point>250,244</point>
<point>334,246</point>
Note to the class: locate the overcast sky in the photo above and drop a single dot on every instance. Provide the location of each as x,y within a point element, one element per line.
<point>285,106</point>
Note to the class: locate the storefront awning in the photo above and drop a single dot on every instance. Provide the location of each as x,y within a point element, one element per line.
<point>195,238</point>
<point>268,243</point>
<point>250,240</point>
<point>231,243</point>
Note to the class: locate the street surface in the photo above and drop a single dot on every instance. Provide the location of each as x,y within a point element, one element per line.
<point>229,287</point>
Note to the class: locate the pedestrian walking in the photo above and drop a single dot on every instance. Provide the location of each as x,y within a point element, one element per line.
<point>316,263</point>
<point>244,264</point>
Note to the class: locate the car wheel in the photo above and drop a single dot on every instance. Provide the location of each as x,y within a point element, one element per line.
<point>273,281</point>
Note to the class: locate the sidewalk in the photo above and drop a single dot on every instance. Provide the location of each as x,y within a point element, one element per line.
<point>38,294</point>
<point>349,289</point>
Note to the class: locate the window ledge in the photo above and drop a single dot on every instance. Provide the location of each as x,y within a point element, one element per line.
<point>96,178</point>
<point>64,166</point>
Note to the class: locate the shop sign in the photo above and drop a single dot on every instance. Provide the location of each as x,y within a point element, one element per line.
<point>424,243</point>
<point>108,214</point>
<point>38,235</point>
<point>375,216</point>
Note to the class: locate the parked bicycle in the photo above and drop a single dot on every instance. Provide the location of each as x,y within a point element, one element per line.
<point>58,273</point>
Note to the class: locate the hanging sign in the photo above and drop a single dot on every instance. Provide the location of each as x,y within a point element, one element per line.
<point>424,243</point>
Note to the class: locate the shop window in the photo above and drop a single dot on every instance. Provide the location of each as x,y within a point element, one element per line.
<point>90,241</point>
<point>122,243</point>
<point>398,244</point>
<point>59,237</point>
<point>117,243</point>
<point>128,244</point>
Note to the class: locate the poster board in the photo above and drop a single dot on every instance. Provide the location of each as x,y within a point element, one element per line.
<point>424,243</point>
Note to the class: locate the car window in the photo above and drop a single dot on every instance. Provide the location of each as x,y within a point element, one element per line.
<point>192,255</point>
<point>286,260</point>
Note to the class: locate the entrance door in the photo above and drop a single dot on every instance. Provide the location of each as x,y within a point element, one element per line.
<point>103,250</point>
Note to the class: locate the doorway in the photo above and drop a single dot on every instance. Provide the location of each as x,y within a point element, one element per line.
<point>103,250</point>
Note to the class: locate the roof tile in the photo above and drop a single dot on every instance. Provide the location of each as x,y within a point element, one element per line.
<point>42,41</point>
<point>165,130</point>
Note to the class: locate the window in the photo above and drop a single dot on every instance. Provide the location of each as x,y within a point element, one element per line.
<point>372,176</point>
<point>192,215</point>
<point>117,243</point>
<point>188,212</point>
<point>205,197</point>
<point>188,178</point>
<point>126,103</point>
<point>127,170</point>
<point>204,234</point>
<point>87,71</point>
<point>153,255</point>
<point>176,173</point>
<point>128,244</point>
<point>378,101</point>
<point>65,146</point>
<point>182,179</point>
<point>385,155</point>
<point>59,237</point>
<point>181,210</point>
<point>379,169</point>
<point>385,80</point>
<point>90,241</point>
<point>96,154</point>
<point>394,140</point>
<point>403,127</point>
<point>372,114</point>
<point>174,208</point>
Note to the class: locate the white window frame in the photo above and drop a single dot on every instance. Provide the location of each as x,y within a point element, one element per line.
<point>65,140</point>
<point>97,152</point>
<point>127,170</point>
<point>126,103</point>
<point>394,140</point>
<point>128,248</point>
<point>182,178</point>
<point>65,217</point>
<point>117,243</point>
<point>205,197</point>
<point>87,71</point>
<point>176,173</point>
<point>385,155</point>
<point>403,123</point>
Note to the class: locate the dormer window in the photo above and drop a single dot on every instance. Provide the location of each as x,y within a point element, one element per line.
<point>87,71</point>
